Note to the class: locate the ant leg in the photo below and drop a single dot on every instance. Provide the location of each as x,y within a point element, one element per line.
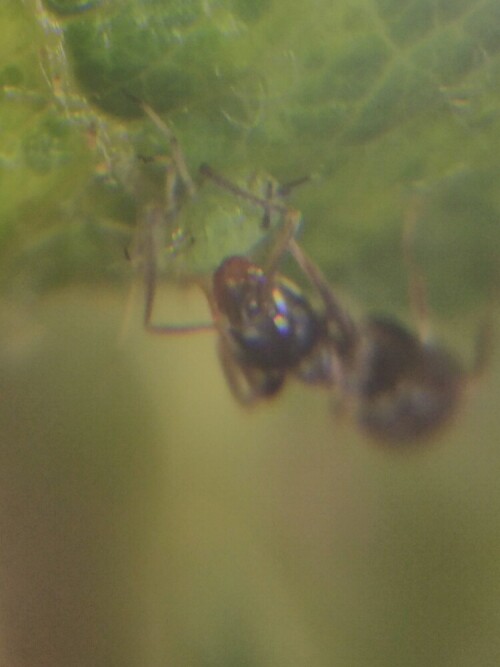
<point>292,216</point>
<point>417,288</point>
<point>270,192</point>
<point>335,312</point>
<point>268,202</point>
<point>247,385</point>
<point>283,241</point>
<point>485,338</point>
<point>226,184</point>
<point>483,350</point>
<point>281,192</point>
<point>285,189</point>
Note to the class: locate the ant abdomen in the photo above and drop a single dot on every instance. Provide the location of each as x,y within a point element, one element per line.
<point>406,388</point>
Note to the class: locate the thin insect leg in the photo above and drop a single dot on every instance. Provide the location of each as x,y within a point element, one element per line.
<point>177,153</point>
<point>285,189</point>
<point>483,349</point>
<point>239,379</point>
<point>171,207</point>
<point>150,271</point>
<point>282,243</point>
<point>334,310</point>
<point>153,218</point>
<point>417,287</point>
<point>247,384</point>
<point>281,191</point>
<point>228,185</point>
<point>266,220</point>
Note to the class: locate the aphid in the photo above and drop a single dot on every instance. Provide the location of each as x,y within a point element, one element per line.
<point>198,222</point>
<point>400,386</point>
<point>188,227</point>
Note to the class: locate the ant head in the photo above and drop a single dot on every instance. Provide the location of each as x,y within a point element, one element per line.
<point>407,389</point>
<point>237,287</point>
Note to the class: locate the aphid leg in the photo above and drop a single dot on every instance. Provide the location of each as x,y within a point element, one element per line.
<point>171,203</point>
<point>417,288</point>
<point>177,153</point>
<point>141,253</point>
<point>154,225</point>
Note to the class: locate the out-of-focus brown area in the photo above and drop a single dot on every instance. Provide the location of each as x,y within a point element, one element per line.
<point>147,519</point>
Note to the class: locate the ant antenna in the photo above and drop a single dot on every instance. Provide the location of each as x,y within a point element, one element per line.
<point>226,184</point>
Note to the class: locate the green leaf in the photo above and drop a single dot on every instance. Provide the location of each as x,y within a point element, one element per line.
<point>379,102</point>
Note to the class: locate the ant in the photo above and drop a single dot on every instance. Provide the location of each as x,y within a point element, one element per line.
<point>400,386</point>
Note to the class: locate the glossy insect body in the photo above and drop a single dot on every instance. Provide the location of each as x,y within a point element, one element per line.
<point>268,330</point>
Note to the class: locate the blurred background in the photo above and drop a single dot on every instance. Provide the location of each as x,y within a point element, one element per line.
<point>145,517</point>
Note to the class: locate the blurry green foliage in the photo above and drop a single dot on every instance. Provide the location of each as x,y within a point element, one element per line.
<point>129,519</point>
<point>378,100</point>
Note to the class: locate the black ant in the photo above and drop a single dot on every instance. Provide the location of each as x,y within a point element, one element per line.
<point>400,386</point>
